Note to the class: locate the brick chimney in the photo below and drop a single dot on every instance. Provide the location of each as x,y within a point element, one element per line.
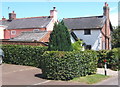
<point>106,10</point>
<point>107,31</point>
<point>12,15</point>
<point>3,18</point>
<point>53,13</point>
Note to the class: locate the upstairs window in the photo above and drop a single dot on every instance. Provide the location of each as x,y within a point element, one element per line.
<point>13,32</point>
<point>87,32</point>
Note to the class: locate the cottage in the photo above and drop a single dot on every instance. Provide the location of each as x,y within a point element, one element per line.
<point>2,27</point>
<point>15,26</point>
<point>95,31</point>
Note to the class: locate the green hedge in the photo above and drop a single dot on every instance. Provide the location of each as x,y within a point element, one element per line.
<point>59,65</point>
<point>112,57</point>
<point>23,54</point>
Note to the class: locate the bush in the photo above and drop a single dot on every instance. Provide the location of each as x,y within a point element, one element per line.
<point>77,46</point>
<point>23,55</point>
<point>102,55</point>
<point>59,65</point>
<point>112,57</point>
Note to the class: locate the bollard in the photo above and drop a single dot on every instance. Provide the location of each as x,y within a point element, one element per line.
<point>105,67</point>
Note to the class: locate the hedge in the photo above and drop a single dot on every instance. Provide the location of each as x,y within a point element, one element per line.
<point>112,57</point>
<point>59,65</point>
<point>23,54</point>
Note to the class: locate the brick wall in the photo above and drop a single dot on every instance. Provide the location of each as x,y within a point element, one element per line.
<point>23,43</point>
<point>8,35</point>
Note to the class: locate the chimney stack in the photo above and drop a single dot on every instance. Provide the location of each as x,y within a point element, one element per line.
<point>53,13</point>
<point>12,15</point>
<point>106,10</point>
<point>3,18</point>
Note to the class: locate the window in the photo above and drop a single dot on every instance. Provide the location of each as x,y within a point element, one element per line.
<point>88,47</point>
<point>13,32</point>
<point>36,30</point>
<point>87,32</point>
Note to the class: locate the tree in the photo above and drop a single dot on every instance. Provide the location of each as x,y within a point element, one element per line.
<point>60,38</point>
<point>116,37</point>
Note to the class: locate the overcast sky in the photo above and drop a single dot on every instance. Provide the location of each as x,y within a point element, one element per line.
<point>65,9</point>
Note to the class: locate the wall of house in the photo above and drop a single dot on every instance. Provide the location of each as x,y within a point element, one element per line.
<point>23,43</point>
<point>2,32</point>
<point>8,34</point>
<point>50,26</point>
<point>94,39</point>
<point>106,37</point>
<point>72,39</point>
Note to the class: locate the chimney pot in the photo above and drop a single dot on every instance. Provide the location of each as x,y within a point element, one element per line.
<point>12,15</point>
<point>54,8</point>
<point>3,18</point>
<point>105,3</point>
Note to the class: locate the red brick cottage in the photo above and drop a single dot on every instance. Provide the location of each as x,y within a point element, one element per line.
<point>15,26</point>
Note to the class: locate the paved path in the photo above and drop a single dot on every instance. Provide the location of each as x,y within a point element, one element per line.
<point>26,75</point>
<point>113,80</point>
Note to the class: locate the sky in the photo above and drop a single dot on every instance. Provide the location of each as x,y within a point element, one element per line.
<point>65,9</point>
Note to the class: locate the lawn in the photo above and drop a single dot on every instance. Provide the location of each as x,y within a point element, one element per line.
<point>91,79</point>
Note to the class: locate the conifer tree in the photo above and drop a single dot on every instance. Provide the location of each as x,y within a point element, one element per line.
<point>60,38</point>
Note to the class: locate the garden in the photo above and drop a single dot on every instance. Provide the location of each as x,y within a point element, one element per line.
<point>61,61</point>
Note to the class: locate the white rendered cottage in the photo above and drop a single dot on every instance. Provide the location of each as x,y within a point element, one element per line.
<point>95,31</point>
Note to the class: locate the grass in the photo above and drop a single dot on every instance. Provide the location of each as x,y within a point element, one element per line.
<point>91,79</point>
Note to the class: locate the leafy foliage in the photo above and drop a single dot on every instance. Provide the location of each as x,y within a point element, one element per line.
<point>77,46</point>
<point>60,38</point>
<point>59,65</point>
<point>116,38</point>
<point>112,57</point>
<point>23,55</point>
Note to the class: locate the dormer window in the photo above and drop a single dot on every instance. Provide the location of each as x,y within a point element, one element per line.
<point>36,30</point>
<point>87,32</point>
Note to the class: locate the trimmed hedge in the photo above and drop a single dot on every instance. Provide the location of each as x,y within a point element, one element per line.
<point>59,65</point>
<point>23,54</point>
<point>112,57</point>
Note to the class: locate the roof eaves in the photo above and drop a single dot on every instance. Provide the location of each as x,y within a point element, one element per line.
<point>88,28</point>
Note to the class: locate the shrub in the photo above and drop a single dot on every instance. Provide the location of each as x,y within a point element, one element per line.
<point>77,46</point>
<point>102,55</point>
<point>23,55</point>
<point>112,57</point>
<point>59,65</point>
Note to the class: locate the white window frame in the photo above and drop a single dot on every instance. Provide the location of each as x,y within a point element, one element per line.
<point>13,32</point>
<point>36,30</point>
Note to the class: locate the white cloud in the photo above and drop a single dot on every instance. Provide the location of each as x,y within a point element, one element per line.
<point>114,19</point>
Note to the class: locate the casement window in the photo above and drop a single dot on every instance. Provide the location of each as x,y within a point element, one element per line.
<point>88,47</point>
<point>36,30</point>
<point>13,32</point>
<point>87,32</point>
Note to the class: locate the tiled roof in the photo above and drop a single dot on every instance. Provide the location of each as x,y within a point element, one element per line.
<point>32,22</point>
<point>46,37</point>
<point>31,36</point>
<point>85,22</point>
